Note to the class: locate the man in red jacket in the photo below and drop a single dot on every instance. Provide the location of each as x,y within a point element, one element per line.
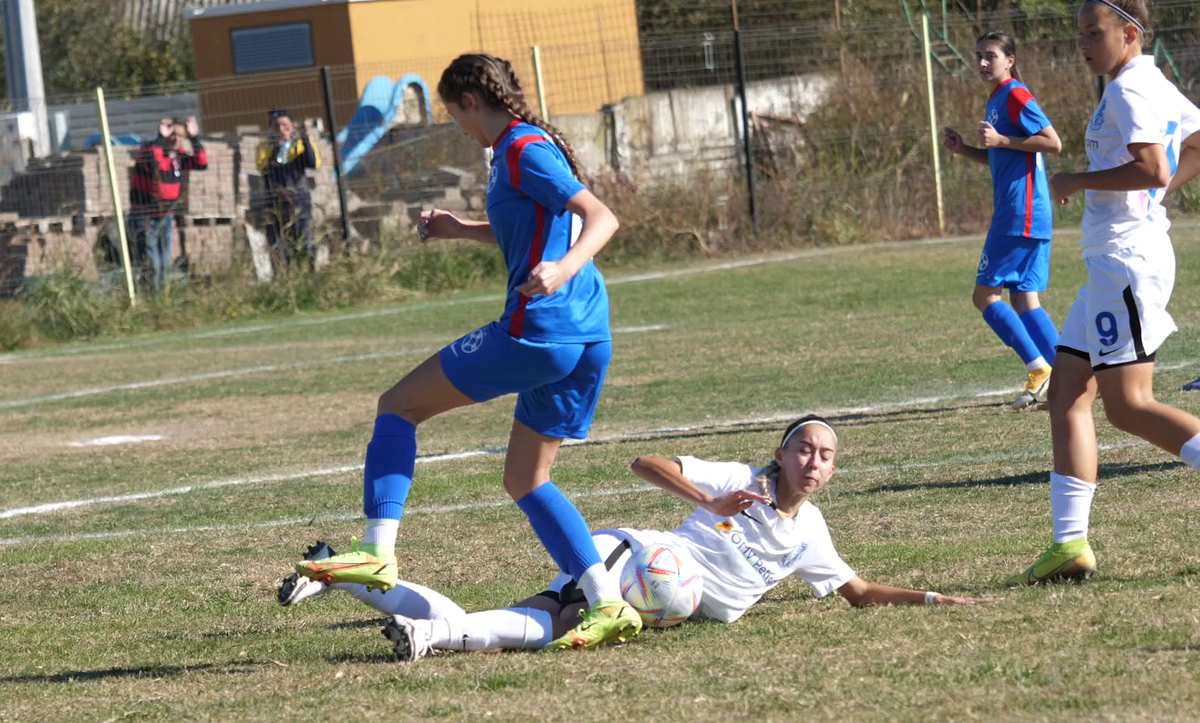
<point>154,190</point>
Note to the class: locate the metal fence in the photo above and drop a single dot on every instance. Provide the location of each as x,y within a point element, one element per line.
<point>835,123</point>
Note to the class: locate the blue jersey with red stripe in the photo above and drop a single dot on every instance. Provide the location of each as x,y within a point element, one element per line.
<point>529,186</point>
<point>1021,196</point>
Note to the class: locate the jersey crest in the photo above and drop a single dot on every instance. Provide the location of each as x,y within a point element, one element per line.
<point>1097,121</point>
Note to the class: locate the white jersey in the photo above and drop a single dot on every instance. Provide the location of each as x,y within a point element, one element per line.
<point>745,556</point>
<point>1139,106</point>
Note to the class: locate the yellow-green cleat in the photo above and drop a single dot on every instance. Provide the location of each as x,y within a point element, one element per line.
<point>372,568</point>
<point>1062,561</point>
<point>604,622</point>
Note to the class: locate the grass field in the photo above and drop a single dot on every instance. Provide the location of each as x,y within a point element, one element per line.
<point>152,597</point>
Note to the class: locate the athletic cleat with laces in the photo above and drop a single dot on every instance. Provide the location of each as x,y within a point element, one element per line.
<point>376,572</point>
<point>1034,392</point>
<point>604,622</point>
<point>1062,561</point>
<point>295,588</point>
<point>409,642</point>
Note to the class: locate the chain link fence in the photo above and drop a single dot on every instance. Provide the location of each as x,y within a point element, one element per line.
<point>838,126</point>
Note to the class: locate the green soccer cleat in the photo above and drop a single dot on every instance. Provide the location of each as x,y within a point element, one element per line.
<point>376,571</point>
<point>599,627</point>
<point>1071,560</point>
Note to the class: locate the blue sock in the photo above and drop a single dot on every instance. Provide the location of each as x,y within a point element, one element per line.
<point>1042,330</point>
<point>1007,325</point>
<point>561,529</point>
<point>391,458</point>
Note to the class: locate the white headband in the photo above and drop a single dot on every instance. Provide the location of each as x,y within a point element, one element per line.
<point>801,425</point>
<point>1122,13</point>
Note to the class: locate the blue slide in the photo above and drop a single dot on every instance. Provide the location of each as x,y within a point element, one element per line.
<point>381,101</point>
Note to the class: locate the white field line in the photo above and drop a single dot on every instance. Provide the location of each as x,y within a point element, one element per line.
<point>699,269</point>
<point>51,507</point>
<point>483,505</point>
<point>116,440</point>
<point>208,376</point>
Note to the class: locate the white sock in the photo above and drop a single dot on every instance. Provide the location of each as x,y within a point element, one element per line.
<point>1191,452</point>
<point>512,629</point>
<point>1036,364</point>
<point>1070,506</point>
<point>381,533</point>
<point>598,583</point>
<point>407,598</point>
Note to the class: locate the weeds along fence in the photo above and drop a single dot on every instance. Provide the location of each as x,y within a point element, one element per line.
<point>836,112</point>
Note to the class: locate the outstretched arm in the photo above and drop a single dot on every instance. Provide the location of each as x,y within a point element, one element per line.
<point>862,594</point>
<point>667,474</point>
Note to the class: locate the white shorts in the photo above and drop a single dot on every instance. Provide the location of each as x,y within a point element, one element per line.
<point>1120,316</point>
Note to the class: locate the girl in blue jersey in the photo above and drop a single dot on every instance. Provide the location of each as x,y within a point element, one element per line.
<point>1016,255</point>
<point>551,347</point>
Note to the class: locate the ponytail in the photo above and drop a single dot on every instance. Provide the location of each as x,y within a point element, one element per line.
<point>497,84</point>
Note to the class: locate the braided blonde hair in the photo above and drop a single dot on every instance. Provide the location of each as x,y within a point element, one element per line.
<point>497,84</point>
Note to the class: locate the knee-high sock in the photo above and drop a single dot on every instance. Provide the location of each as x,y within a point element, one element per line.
<point>1007,325</point>
<point>566,537</point>
<point>512,629</point>
<point>1191,452</point>
<point>1070,506</point>
<point>1042,330</point>
<point>407,598</point>
<point>387,478</point>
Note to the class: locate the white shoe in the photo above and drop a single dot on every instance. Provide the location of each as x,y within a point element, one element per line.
<point>410,642</point>
<point>295,588</point>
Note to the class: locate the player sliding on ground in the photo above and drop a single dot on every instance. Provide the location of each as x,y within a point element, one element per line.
<point>1119,319</point>
<point>1016,255</point>
<point>753,528</point>
<point>551,347</point>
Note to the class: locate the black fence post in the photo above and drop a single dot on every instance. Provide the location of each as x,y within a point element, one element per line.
<point>331,121</point>
<point>746,145</point>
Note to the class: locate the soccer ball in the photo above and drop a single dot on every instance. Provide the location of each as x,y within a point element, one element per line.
<point>663,583</point>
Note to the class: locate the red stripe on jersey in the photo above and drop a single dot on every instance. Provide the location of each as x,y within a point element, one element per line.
<point>998,87</point>
<point>1017,100</point>
<point>513,157</point>
<point>504,133</point>
<point>1030,167</point>
<point>517,323</point>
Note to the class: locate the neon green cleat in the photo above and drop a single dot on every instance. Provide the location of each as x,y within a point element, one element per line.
<point>604,622</point>
<point>1071,560</point>
<point>376,571</point>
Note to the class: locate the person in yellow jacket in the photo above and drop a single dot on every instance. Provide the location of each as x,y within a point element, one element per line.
<point>282,161</point>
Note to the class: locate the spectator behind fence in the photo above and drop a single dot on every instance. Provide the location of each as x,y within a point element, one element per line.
<point>154,189</point>
<point>282,161</point>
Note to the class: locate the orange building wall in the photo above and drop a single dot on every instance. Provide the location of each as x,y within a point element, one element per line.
<point>590,53</point>
<point>228,100</point>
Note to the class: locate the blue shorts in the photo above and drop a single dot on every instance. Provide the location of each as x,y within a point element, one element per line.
<point>557,385</point>
<point>1014,263</point>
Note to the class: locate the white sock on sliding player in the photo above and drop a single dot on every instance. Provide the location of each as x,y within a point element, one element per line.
<point>512,629</point>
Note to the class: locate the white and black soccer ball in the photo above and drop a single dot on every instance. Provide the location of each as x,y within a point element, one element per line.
<point>663,583</point>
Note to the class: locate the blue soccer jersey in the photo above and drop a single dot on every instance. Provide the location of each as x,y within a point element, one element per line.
<point>1021,196</point>
<point>528,188</point>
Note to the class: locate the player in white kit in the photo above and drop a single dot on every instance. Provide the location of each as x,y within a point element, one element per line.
<point>753,528</point>
<point>1119,319</point>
